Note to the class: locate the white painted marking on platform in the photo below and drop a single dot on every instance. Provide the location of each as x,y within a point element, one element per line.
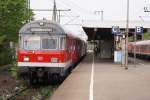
<point>92,81</point>
<point>144,65</point>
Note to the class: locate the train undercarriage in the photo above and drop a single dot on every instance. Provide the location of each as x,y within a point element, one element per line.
<point>44,75</point>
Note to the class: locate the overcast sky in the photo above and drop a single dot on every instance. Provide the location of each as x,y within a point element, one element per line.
<point>113,9</point>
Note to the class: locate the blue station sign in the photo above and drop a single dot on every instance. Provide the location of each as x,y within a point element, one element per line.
<point>139,29</point>
<point>115,30</point>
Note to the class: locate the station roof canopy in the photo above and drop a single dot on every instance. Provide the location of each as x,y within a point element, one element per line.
<point>104,28</point>
<point>109,24</point>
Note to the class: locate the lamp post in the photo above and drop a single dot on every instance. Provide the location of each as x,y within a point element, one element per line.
<point>102,14</point>
<point>127,31</point>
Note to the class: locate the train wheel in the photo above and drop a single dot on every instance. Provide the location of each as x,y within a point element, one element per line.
<point>33,78</point>
<point>57,78</point>
<point>50,78</point>
<point>70,70</point>
<point>45,78</point>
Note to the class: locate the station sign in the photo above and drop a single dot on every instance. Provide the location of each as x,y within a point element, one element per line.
<point>139,29</point>
<point>41,30</point>
<point>115,30</point>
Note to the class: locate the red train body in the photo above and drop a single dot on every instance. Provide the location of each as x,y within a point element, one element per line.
<point>142,48</point>
<point>46,48</point>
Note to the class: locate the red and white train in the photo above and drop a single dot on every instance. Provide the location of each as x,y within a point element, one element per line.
<point>47,49</point>
<point>142,48</point>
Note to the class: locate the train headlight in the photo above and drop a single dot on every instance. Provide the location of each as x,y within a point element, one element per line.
<point>54,60</point>
<point>26,59</point>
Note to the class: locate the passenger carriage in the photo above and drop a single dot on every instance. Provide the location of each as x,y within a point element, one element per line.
<point>48,49</point>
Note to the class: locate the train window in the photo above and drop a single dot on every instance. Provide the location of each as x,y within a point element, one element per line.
<point>20,42</point>
<point>49,43</point>
<point>32,43</point>
<point>147,48</point>
<point>62,43</point>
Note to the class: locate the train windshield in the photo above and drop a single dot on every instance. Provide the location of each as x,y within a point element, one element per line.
<point>32,43</point>
<point>49,43</point>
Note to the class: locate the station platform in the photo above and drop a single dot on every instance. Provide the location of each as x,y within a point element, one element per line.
<point>95,79</point>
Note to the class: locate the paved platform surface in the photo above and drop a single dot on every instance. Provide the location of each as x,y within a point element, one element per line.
<point>110,82</point>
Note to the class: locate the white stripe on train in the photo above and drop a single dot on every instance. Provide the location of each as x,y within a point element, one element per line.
<point>35,64</point>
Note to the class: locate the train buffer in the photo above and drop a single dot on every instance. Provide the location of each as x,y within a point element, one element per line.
<point>104,80</point>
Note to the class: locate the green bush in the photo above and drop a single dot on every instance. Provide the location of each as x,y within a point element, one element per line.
<point>5,55</point>
<point>146,36</point>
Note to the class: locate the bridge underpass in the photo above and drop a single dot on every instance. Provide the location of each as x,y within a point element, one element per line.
<point>100,34</point>
<point>103,39</point>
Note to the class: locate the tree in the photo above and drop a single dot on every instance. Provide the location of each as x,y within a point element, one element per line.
<point>13,14</point>
<point>2,38</point>
<point>146,36</point>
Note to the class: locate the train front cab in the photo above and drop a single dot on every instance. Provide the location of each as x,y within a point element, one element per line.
<point>42,52</point>
<point>46,54</point>
<point>48,58</point>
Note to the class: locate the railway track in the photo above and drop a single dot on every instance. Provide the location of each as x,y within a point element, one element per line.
<point>45,96</point>
<point>140,61</point>
<point>17,93</point>
<point>24,91</point>
<point>48,92</point>
<point>41,93</point>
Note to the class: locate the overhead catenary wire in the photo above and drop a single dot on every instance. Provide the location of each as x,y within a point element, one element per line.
<point>55,11</point>
<point>71,20</point>
<point>81,8</point>
<point>75,8</point>
<point>64,4</point>
<point>75,11</point>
